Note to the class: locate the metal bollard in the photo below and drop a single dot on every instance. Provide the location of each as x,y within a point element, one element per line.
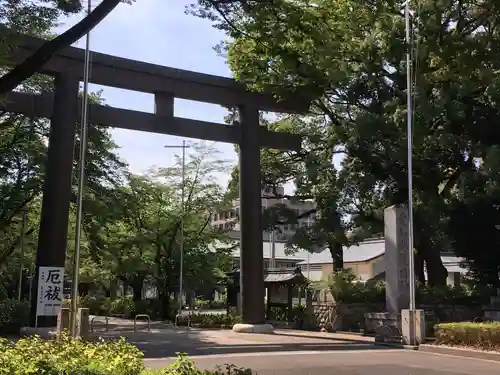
<point>106,321</point>
<point>142,316</point>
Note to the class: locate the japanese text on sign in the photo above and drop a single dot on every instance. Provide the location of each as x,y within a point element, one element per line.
<point>50,291</point>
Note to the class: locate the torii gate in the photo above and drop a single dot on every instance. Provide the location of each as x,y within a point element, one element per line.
<point>63,108</point>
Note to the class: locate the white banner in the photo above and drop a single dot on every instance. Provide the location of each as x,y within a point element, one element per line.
<point>50,291</point>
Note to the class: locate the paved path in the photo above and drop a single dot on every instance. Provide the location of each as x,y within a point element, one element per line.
<point>349,362</point>
<point>161,343</point>
<point>291,352</point>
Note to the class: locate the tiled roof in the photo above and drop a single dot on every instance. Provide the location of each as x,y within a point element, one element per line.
<point>363,252</point>
<point>284,276</point>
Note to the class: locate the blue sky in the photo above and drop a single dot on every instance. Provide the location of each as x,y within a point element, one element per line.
<point>159,32</point>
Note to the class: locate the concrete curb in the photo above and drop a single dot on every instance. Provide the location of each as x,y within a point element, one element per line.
<point>460,352</point>
<point>253,328</point>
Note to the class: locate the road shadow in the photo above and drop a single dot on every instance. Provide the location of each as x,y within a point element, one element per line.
<point>329,337</point>
<point>168,342</point>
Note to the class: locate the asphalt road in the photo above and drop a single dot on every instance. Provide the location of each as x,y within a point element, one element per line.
<point>349,362</point>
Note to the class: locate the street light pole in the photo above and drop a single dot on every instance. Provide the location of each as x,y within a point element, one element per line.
<point>24,210</point>
<point>409,99</point>
<point>181,245</point>
<point>81,180</point>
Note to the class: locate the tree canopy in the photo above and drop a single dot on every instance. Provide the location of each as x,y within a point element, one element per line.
<point>349,57</point>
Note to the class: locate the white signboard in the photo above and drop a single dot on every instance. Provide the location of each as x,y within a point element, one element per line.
<point>50,291</point>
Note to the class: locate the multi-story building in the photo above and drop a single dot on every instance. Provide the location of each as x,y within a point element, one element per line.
<point>229,219</point>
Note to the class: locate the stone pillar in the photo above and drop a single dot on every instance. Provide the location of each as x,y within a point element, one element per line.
<point>63,319</point>
<point>251,259</point>
<point>82,323</point>
<point>396,259</point>
<point>52,237</point>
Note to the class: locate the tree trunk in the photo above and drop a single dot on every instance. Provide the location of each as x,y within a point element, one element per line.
<point>113,286</point>
<point>436,272</point>
<point>137,285</point>
<point>164,299</point>
<point>337,255</point>
<point>419,268</point>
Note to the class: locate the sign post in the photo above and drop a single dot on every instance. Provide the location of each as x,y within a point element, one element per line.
<point>50,291</point>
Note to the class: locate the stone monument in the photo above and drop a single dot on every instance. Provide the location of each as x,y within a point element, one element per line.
<point>397,322</point>
<point>396,258</point>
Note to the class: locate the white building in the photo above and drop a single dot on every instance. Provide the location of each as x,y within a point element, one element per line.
<point>229,219</point>
<point>365,260</point>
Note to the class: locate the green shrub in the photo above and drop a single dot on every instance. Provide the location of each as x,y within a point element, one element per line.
<point>121,306</point>
<point>185,366</point>
<point>345,288</point>
<point>209,304</point>
<point>279,313</point>
<point>13,316</point>
<point>484,336</point>
<point>69,356</point>
<point>211,320</point>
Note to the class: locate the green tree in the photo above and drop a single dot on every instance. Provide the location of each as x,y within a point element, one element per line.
<point>355,74</point>
<point>142,243</point>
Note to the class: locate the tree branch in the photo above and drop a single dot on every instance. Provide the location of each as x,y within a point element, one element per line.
<point>36,61</point>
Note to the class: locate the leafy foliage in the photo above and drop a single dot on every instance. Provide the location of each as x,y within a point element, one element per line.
<point>70,356</point>
<point>185,366</point>
<point>77,357</point>
<point>484,336</point>
<point>203,320</point>
<point>355,75</point>
<point>346,289</point>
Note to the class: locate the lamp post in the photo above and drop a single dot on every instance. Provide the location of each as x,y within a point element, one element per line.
<point>181,245</point>
<point>81,180</point>
<point>24,212</point>
<point>409,99</point>
<point>309,252</point>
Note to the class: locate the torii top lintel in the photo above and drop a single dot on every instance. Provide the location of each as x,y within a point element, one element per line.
<point>135,75</point>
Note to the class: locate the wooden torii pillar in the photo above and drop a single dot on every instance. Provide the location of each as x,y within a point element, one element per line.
<point>63,108</point>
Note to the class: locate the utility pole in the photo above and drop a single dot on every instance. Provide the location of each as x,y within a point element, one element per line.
<point>409,100</point>
<point>24,211</point>
<point>181,245</point>
<point>81,180</point>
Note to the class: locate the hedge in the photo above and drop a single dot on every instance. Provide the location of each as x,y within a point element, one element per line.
<point>484,336</point>
<point>67,356</point>
<point>200,320</point>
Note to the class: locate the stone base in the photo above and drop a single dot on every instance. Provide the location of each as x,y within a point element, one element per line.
<point>374,321</point>
<point>45,333</point>
<point>413,327</point>
<point>253,328</point>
